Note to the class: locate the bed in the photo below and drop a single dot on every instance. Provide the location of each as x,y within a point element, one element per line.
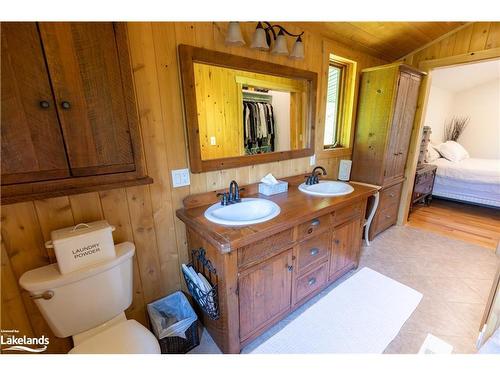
<point>470,180</point>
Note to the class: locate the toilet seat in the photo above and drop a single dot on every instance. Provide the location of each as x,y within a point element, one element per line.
<point>127,337</point>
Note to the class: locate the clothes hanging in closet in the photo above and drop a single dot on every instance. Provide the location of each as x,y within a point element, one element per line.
<point>258,126</point>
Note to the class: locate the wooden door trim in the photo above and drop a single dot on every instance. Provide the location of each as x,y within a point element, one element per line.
<point>187,56</point>
<point>418,124</point>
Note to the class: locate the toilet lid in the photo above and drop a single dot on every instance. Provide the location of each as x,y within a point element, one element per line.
<point>128,337</point>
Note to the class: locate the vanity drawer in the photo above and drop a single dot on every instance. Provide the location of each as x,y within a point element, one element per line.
<point>313,226</point>
<point>313,251</point>
<point>310,282</point>
<point>347,213</point>
<point>265,248</point>
<point>390,195</point>
<point>387,217</point>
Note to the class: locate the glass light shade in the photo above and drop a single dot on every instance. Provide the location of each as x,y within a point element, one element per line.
<point>259,39</point>
<point>298,50</point>
<point>280,47</point>
<point>234,36</point>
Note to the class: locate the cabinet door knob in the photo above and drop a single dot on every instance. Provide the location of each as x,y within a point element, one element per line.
<point>337,241</point>
<point>314,251</point>
<point>44,104</point>
<point>65,105</point>
<point>311,281</point>
<point>290,268</point>
<point>392,195</point>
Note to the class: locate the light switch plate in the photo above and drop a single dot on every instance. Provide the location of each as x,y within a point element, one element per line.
<point>312,160</point>
<point>180,177</point>
<point>213,141</point>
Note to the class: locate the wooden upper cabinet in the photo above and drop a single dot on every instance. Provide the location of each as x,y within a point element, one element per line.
<point>69,118</point>
<point>84,66</point>
<point>386,110</point>
<point>32,144</point>
<point>402,123</point>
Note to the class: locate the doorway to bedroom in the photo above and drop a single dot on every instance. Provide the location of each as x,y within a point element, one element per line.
<point>457,184</point>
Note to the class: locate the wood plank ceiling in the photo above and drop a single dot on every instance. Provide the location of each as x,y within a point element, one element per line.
<point>387,40</point>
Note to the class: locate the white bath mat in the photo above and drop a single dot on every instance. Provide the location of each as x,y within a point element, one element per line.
<point>361,315</point>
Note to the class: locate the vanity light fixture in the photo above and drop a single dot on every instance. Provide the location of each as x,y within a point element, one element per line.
<point>234,36</point>
<point>265,33</point>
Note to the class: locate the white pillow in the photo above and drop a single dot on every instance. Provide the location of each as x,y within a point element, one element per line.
<point>432,154</point>
<point>453,151</point>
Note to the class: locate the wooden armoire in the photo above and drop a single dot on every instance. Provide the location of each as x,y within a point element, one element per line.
<point>386,110</point>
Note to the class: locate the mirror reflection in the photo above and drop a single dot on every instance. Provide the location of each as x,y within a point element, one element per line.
<point>245,113</point>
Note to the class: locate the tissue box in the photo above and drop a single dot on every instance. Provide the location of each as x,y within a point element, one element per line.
<point>82,245</point>
<point>280,187</point>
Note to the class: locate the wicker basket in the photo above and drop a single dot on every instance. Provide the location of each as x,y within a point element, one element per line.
<point>178,345</point>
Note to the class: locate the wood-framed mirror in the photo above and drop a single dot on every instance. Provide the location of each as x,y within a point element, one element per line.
<point>242,111</point>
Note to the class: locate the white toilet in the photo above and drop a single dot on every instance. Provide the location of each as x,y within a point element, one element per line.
<point>89,304</point>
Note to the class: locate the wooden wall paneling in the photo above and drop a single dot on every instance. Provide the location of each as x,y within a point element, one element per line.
<point>141,219</point>
<point>493,40</point>
<point>462,40</point>
<point>447,46</point>
<point>86,207</point>
<point>171,105</point>
<point>13,313</point>
<point>153,132</point>
<point>24,244</point>
<point>116,212</point>
<point>52,214</point>
<point>479,36</point>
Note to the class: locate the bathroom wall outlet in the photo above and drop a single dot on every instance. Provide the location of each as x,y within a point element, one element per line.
<point>312,160</point>
<point>213,142</point>
<point>180,177</point>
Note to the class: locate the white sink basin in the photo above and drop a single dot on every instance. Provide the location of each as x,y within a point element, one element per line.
<point>327,188</point>
<point>248,211</point>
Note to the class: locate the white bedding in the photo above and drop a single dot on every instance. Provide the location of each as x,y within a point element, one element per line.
<point>469,180</point>
<point>485,171</point>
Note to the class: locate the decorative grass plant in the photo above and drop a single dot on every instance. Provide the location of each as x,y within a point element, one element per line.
<point>455,127</point>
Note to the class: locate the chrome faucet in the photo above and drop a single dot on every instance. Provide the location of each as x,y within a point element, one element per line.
<point>314,177</point>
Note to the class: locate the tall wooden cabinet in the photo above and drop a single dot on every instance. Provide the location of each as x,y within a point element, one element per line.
<point>69,121</point>
<point>386,110</point>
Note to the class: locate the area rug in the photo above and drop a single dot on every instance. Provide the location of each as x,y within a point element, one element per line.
<point>361,315</point>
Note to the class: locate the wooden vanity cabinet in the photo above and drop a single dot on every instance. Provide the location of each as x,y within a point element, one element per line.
<point>264,292</point>
<point>268,270</point>
<point>69,121</point>
<point>346,245</point>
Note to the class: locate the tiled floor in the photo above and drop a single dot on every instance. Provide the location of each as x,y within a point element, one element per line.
<point>455,278</point>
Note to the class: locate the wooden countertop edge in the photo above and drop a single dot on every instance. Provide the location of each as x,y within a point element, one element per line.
<point>226,245</point>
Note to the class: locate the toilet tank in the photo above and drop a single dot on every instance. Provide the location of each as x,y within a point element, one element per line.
<point>86,298</point>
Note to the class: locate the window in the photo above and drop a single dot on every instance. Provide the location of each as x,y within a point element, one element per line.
<point>339,102</point>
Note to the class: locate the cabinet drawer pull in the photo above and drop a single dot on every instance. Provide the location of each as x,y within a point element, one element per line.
<point>315,222</point>
<point>311,281</point>
<point>314,251</point>
<point>44,104</point>
<point>290,268</point>
<point>336,241</point>
<point>65,105</point>
<point>392,195</point>
<point>388,216</point>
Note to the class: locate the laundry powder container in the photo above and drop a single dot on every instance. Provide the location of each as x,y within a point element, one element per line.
<point>82,245</point>
<point>174,324</point>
